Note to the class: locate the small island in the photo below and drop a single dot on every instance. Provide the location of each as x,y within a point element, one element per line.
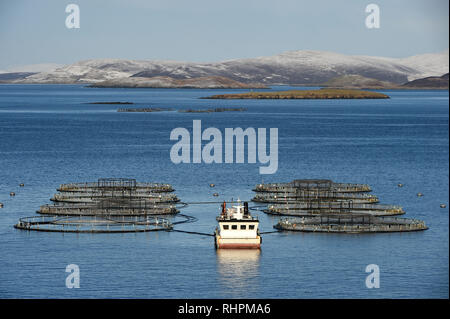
<point>145,109</point>
<point>304,94</point>
<point>220,109</point>
<point>158,109</point>
<point>110,103</point>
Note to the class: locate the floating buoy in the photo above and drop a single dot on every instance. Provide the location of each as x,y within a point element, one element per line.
<point>442,205</point>
<point>1,205</point>
<point>21,184</point>
<point>216,194</point>
<point>419,194</point>
<point>400,185</point>
<point>12,194</point>
<point>211,185</point>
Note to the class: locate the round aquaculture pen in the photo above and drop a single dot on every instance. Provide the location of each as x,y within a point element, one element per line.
<point>302,196</point>
<point>312,184</point>
<point>116,184</point>
<point>95,196</point>
<point>328,207</point>
<point>353,223</point>
<point>117,208</point>
<point>93,224</point>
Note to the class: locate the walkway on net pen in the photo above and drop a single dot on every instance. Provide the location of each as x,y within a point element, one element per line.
<point>334,223</point>
<point>93,224</point>
<point>309,196</point>
<point>115,184</point>
<point>95,196</point>
<point>312,184</point>
<point>327,207</point>
<point>109,207</point>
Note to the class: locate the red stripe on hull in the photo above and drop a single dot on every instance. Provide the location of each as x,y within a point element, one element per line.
<point>240,246</point>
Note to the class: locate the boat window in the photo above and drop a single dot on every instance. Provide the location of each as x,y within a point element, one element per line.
<point>251,226</point>
<point>233,226</point>
<point>243,227</point>
<point>225,227</point>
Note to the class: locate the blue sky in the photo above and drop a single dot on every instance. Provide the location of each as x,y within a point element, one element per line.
<point>210,30</point>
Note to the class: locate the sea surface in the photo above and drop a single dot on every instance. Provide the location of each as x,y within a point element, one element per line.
<point>50,135</point>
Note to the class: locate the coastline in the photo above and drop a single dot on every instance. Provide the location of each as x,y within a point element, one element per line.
<point>304,94</point>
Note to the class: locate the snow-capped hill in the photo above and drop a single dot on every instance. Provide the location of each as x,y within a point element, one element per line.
<point>292,67</point>
<point>97,70</point>
<point>208,82</point>
<point>429,64</point>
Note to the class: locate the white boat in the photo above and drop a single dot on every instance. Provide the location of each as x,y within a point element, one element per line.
<point>237,228</point>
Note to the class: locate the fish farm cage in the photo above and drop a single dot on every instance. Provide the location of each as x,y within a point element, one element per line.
<point>94,196</point>
<point>112,197</point>
<point>311,184</point>
<point>302,196</point>
<point>116,184</point>
<point>120,205</point>
<point>354,223</point>
<point>94,224</point>
<point>109,207</point>
<point>328,207</point>
<point>315,198</point>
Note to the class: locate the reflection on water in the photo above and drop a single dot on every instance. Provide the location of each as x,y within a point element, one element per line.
<point>238,271</point>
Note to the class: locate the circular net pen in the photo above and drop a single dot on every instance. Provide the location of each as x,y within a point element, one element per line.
<point>94,224</point>
<point>303,196</point>
<point>325,207</point>
<point>111,207</point>
<point>95,196</point>
<point>116,184</point>
<point>361,223</point>
<point>312,184</point>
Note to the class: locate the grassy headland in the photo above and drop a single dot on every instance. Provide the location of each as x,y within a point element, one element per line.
<point>304,94</point>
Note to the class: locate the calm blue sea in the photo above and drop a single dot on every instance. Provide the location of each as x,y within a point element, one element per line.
<point>49,135</point>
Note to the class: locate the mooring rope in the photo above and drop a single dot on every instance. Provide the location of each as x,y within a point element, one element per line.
<point>258,208</point>
<point>190,232</point>
<point>189,219</point>
<point>205,203</point>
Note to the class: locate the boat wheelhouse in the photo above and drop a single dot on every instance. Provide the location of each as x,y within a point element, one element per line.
<point>237,228</point>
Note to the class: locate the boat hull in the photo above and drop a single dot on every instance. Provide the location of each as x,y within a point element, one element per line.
<point>237,243</point>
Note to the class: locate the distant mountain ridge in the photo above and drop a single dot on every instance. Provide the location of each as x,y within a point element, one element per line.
<point>204,82</point>
<point>294,68</point>
<point>438,82</point>
<point>360,82</point>
<point>11,76</point>
<point>357,82</point>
